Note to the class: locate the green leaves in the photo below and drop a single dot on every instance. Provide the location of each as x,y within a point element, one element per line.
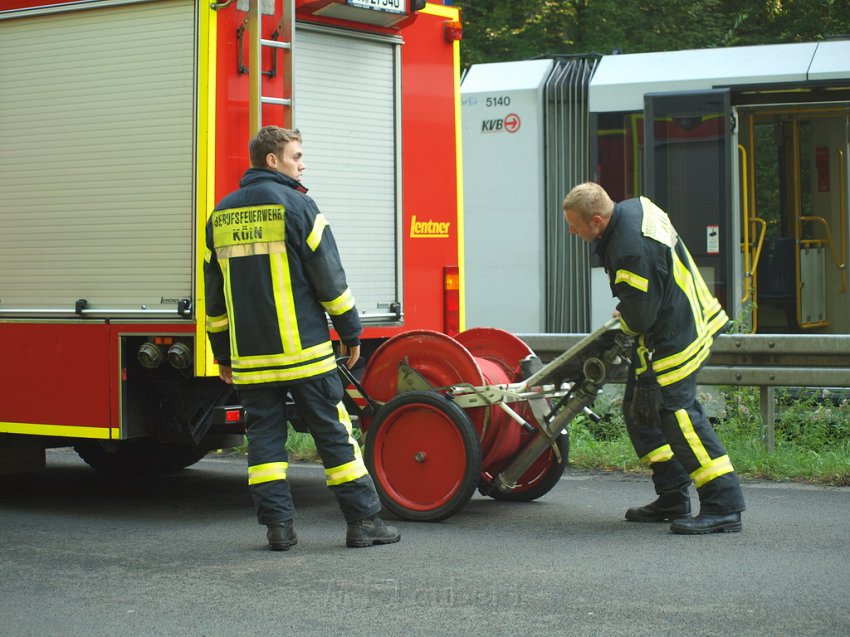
<point>506,30</point>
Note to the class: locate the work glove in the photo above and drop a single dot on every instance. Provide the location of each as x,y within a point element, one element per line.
<point>646,403</point>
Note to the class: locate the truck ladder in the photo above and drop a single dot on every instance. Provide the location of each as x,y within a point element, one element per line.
<point>256,42</point>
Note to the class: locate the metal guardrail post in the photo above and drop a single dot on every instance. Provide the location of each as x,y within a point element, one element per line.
<point>767,407</point>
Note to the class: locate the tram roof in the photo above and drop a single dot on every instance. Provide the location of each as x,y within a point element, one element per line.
<point>620,81</point>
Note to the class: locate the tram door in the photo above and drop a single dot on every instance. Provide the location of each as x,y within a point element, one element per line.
<point>687,173</point>
<point>794,218</point>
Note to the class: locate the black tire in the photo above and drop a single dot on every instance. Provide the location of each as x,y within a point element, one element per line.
<point>137,457</point>
<point>541,477</point>
<point>424,456</point>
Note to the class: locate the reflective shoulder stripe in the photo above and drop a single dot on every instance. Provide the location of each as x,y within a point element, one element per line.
<point>315,237</point>
<point>259,473</point>
<point>341,304</point>
<point>635,280</point>
<point>656,224</point>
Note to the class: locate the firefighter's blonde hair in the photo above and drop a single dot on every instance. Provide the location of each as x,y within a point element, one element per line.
<point>588,200</point>
<point>270,139</point>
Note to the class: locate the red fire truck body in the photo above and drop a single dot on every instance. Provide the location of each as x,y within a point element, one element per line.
<point>124,121</point>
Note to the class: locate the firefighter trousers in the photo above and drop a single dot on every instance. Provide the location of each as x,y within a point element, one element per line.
<point>680,446</point>
<point>319,405</point>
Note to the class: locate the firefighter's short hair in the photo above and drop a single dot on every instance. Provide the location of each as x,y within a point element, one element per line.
<point>270,139</point>
<point>589,199</point>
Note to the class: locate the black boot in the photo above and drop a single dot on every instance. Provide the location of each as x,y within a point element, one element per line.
<point>281,536</point>
<point>707,523</point>
<point>669,506</point>
<point>370,531</point>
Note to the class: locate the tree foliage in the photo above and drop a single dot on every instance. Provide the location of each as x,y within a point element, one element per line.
<point>501,30</point>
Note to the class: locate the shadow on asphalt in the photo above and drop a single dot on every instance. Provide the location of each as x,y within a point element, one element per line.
<point>207,489</point>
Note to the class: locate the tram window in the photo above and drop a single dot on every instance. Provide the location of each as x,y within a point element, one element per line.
<point>619,148</point>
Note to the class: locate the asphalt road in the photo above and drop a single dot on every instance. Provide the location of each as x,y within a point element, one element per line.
<point>183,555</point>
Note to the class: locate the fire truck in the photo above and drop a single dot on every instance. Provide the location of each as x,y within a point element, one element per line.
<point>124,121</point>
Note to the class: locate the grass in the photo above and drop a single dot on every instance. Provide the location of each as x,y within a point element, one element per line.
<point>812,437</point>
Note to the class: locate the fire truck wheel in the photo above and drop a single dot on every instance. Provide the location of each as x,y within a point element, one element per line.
<point>144,456</point>
<point>540,478</point>
<point>424,455</point>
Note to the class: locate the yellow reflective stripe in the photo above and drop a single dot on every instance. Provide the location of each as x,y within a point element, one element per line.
<point>322,350</point>
<point>340,304</point>
<point>267,472</point>
<point>250,249</point>
<point>683,372</point>
<point>635,280</point>
<point>689,360</point>
<point>662,454</point>
<point>717,322</point>
<point>284,375</point>
<point>714,469</point>
<point>350,470</point>
<point>687,428</point>
<point>709,303</point>
<point>344,418</point>
<point>345,472</point>
<point>251,224</point>
<point>224,264</point>
<point>315,236</point>
<point>287,320</point>
<point>207,255</point>
<point>660,364</point>
<point>656,224</point>
<point>625,327</point>
<point>217,323</point>
<point>642,362</point>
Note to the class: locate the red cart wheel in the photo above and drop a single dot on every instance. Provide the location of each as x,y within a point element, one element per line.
<point>424,455</point>
<point>541,477</point>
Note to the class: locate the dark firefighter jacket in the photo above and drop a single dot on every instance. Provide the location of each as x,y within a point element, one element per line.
<point>663,299</point>
<point>271,271</point>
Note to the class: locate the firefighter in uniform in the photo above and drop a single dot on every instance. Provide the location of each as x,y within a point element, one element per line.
<point>666,306</point>
<point>272,273</point>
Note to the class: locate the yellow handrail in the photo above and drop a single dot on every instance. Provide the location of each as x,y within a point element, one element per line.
<point>751,275</point>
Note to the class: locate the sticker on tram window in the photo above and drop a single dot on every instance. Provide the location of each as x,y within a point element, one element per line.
<point>392,6</point>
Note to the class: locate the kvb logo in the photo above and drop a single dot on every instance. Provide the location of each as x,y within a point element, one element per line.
<point>510,124</point>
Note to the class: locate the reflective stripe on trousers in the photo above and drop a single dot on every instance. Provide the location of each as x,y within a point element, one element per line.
<point>683,447</point>
<point>318,402</point>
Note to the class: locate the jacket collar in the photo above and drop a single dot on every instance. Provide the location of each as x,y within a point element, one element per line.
<point>253,175</point>
<point>601,244</point>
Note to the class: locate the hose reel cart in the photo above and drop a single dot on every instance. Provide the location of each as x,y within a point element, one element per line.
<point>445,416</point>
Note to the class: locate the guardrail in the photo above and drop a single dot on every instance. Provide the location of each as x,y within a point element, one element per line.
<point>765,361</point>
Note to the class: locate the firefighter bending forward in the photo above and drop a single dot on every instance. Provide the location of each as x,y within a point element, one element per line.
<point>272,271</point>
<point>665,305</point>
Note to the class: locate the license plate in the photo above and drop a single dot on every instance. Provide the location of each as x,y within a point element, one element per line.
<point>390,6</point>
